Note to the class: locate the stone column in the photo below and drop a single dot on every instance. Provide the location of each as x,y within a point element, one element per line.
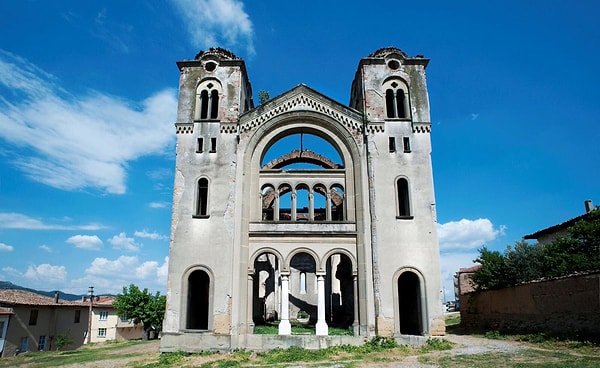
<point>293,205</point>
<point>285,328</point>
<point>321,327</point>
<point>355,324</point>
<point>276,206</point>
<point>250,303</point>
<point>311,205</point>
<point>328,206</point>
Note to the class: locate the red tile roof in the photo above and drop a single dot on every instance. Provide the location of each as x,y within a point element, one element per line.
<point>22,297</point>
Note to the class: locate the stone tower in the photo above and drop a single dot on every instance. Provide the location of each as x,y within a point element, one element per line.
<point>302,210</point>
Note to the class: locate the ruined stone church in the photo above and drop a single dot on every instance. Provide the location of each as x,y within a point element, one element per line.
<point>302,210</point>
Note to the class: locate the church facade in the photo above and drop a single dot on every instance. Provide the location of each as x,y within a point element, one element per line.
<point>302,210</point>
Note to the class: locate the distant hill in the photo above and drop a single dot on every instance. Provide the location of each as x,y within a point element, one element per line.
<point>65,296</point>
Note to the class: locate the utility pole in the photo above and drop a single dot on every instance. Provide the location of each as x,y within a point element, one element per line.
<point>89,331</point>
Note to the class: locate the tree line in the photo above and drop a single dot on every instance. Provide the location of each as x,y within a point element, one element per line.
<point>577,250</point>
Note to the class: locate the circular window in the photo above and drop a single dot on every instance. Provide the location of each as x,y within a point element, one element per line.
<point>210,66</point>
<point>393,64</point>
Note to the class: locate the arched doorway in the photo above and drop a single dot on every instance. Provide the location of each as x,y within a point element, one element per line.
<point>198,300</point>
<point>409,304</point>
<point>339,287</point>
<point>266,293</point>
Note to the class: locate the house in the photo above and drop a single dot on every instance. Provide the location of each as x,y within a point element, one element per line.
<point>108,325</point>
<point>302,208</point>
<point>548,234</point>
<point>31,322</point>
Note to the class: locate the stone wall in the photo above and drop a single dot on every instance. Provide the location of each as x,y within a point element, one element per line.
<point>566,305</point>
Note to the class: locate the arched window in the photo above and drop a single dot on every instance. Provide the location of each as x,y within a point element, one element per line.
<point>403,198</point>
<point>396,102</point>
<point>202,200</point>
<point>207,101</point>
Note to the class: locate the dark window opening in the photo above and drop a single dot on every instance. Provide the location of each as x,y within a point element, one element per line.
<point>395,103</point>
<point>77,318</point>
<point>198,297</point>
<point>406,141</point>
<point>213,145</point>
<point>409,303</point>
<point>214,104</point>
<point>33,316</point>
<point>200,147</point>
<point>389,103</point>
<point>403,198</point>
<point>202,209</point>
<point>392,144</point>
<point>400,104</point>
<point>204,105</point>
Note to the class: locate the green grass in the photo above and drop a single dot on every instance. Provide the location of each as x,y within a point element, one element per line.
<point>299,329</point>
<point>453,320</point>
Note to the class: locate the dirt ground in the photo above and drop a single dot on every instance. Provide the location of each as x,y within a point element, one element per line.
<point>464,344</point>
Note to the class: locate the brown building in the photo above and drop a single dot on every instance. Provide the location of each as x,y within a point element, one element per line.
<point>31,322</point>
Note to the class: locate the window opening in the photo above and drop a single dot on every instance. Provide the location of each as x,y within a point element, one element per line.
<point>214,103</point>
<point>204,105</point>
<point>102,332</point>
<point>320,202</point>
<point>337,203</point>
<point>406,142</point>
<point>207,102</point>
<point>42,343</point>
<point>198,294</point>
<point>339,286</point>
<point>303,204</point>
<point>285,203</point>
<point>395,101</point>
<point>392,144</point>
<point>200,147</point>
<point>202,206</point>
<point>103,316</point>
<point>213,145</point>
<point>268,203</point>
<point>77,316</point>
<point>1,329</point>
<point>24,345</point>
<point>403,198</point>
<point>33,316</point>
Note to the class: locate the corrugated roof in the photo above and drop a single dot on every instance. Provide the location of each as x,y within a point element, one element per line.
<point>22,297</point>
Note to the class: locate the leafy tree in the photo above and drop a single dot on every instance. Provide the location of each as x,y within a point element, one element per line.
<point>63,340</point>
<point>523,262</point>
<point>142,307</point>
<point>492,273</point>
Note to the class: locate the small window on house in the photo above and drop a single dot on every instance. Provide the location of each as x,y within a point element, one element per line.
<point>24,345</point>
<point>124,318</point>
<point>103,316</point>
<point>42,343</point>
<point>202,202</point>
<point>102,332</point>
<point>77,318</point>
<point>392,144</point>
<point>406,141</point>
<point>403,198</point>
<point>200,147</point>
<point>33,316</point>
<point>213,145</point>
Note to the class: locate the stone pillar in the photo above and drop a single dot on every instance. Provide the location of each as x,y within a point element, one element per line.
<point>285,328</point>
<point>293,205</point>
<point>321,327</point>
<point>276,206</point>
<point>355,324</point>
<point>311,205</point>
<point>250,303</point>
<point>328,206</point>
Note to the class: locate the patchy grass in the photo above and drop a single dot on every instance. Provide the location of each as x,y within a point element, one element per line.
<point>300,329</point>
<point>453,320</point>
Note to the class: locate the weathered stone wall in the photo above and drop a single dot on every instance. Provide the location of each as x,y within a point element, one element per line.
<point>566,305</point>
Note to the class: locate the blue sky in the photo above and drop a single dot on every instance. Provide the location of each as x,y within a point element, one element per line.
<point>88,101</point>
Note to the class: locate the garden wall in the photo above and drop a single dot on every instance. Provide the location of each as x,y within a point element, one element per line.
<point>565,305</point>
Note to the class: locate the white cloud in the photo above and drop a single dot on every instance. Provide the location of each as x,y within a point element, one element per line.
<point>153,235</point>
<point>109,276</point>
<point>122,242</point>
<point>12,220</point>
<point>46,248</point>
<point>217,22</point>
<point>467,234</point>
<point>158,204</point>
<point>89,242</point>
<point>6,248</point>
<point>78,141</point>
<point>47,273</point>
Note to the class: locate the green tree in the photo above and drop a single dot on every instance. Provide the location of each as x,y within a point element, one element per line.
<point>523,262</point>
<point>63,340</point>
<point>142,307</point>
<point>492,274</point>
